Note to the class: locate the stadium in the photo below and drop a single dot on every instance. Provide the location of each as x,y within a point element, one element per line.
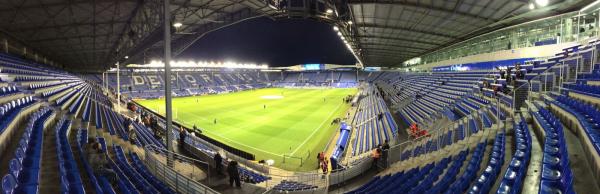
<point>300,96</point>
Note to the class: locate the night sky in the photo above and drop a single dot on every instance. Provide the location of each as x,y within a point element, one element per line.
<point>277,43</point>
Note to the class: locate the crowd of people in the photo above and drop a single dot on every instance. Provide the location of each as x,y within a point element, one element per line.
<point>380,155</point>
<point>507,74</point>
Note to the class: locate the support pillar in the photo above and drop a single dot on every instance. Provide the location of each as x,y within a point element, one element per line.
<point>167,60</point>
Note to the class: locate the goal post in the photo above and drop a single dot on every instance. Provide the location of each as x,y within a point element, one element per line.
<point>292,160</point>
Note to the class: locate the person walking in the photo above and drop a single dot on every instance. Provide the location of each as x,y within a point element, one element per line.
<point>325,166</point>
<point>376,154</point>
<point>99,163</point>
<point>234,174</point>
<point>218,162</point>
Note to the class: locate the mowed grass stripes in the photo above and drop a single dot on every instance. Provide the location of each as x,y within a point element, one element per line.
<point>295,121</point>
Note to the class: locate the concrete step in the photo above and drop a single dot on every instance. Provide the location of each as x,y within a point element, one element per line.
<point>49,172</point>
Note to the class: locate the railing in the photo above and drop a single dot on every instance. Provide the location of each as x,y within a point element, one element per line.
<point>176,179</point>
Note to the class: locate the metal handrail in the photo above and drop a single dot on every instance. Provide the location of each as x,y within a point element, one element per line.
<point>179,182</point>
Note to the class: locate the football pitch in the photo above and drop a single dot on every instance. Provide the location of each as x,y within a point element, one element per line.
<point>269,123</point>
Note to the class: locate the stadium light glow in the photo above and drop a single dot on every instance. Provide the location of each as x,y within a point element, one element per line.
<point>177,24</point>
<point>541,3</point>
<point>339,34</point>
<point>350,22</point>
<point>329,11</point>
<point>335,28</point>
<point>126,57</point>
<point>212,64</point>
<point>531,6</point>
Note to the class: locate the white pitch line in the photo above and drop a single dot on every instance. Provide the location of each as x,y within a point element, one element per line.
<point>317,129</point>
<point>235,142</point>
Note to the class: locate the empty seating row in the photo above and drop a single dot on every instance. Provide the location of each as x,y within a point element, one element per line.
<point>374,124</point>
<point>24,168</point>
<point>416,180</point>
<point>65,98</point>
<point>70,177</point>
<point>11,110</point>
<point>138,180</point>
<point>488,177</point>
<point>556,173</point>
<point>56,91</point>
<point>292,186</point>
<point>470,173</point>
<point>512,182</point>
<point>35,86</point>
<point>139,166</point>
<point>588,117</point>
<point>8,90</point>
<point>100,183</point>
<point>590,90</point>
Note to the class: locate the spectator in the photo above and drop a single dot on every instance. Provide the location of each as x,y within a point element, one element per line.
<point>325,165</point>
<point>182,136</point>
<point>518,72</point>
<point>99,163</point>
<point>375,155</point>
<point>132,135</point>
<point>384,150</point>
<point>319,159</point>
<point>89,147</point>
<point>218,162</point>
<point>195,128</point>
<point>234,174</point>
<point>508,74</point>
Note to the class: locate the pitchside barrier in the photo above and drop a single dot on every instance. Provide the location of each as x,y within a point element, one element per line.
<point>218,144</point>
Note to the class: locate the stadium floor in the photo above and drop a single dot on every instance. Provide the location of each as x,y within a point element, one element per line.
<point>268,122</point>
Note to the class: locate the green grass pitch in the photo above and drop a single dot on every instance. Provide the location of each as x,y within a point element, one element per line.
<point>295,122</point>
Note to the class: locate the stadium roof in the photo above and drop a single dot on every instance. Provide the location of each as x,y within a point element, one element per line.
<point>92,35</point>
<point>392,31</point>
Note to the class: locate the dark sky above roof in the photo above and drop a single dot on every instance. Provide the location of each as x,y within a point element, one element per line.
<point>277,43</point>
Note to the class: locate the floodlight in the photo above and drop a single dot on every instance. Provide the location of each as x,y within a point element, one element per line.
<point>177,24</point>
<point>531,6</point>
<point>350,22</point>
<point>541,2</point>
<point>329,11</point>
<point>336,28</point>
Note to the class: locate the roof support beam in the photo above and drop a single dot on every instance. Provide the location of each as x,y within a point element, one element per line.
<point>63,3</point>
<point>37,28</point>
<point>420,6</point>
<point>64,38</point>
<point>395,51</point>
<point>401,39</point>
<point>371,25</point>
<point>367,44</point>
